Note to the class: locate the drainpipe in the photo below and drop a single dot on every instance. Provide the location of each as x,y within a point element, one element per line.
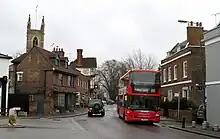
<point>203,76</point>
<point>45,82</point>
<point>15,80</point>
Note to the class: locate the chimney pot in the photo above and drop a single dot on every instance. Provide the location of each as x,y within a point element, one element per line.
<point>54,49</point>
<point>58,49</point>
<point>191,23</point>
<point>194,34</point>
<point>62,49</point>
<point>200,24</point>
<point>79,57</point>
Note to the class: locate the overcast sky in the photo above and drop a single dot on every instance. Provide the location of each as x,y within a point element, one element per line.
<point>106,29</point>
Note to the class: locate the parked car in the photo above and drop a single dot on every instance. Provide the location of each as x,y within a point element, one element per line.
<point>96,106</point>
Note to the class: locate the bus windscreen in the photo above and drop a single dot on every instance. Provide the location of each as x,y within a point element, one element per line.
<point>145,82</point>
<point>143,103</point>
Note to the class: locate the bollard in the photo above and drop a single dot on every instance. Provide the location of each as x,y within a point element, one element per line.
<point>12,117</point>
<point>204,125</point>
<point>193,124</point>
<point>184,122</point>
<point>216,128</point>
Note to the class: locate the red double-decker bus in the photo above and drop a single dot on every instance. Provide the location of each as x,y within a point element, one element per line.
<point>138,96</point>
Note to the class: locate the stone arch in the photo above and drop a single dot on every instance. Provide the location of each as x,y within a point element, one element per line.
<point>35,41</point>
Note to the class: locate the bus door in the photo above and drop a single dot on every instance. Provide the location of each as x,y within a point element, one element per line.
<point>123,104</point>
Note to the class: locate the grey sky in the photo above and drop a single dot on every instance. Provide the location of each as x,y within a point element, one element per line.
<point>105,29</point>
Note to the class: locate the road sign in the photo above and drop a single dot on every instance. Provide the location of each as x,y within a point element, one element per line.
<point>176,94</point>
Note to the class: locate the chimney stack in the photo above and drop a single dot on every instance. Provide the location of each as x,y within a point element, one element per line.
<point>194,33</point>
<point>79,58</point>
<point>59,51</point>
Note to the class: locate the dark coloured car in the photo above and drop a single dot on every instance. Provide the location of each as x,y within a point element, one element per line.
<point>96,107</point>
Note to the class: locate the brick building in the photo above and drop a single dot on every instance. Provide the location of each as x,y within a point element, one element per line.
<point>42,81</point>
<point>182,68</point>
<point>87,66</point>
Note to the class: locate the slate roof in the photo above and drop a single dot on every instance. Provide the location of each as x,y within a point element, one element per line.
<point>181,45</point>
<point>87,62</point>
<point>5,56</point>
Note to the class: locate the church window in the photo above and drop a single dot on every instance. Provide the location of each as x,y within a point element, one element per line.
<point>35,42</point>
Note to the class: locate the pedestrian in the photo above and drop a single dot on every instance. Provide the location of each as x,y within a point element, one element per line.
<point>12,117</point>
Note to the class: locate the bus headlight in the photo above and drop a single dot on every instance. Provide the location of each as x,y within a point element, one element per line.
<point>157,115</point>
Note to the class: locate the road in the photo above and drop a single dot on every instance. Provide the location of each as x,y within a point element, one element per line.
<point>83,127</point>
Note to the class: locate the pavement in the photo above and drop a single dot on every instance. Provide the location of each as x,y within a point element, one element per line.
<point>77,112</point>
<point>84,127</point>
<point>188,128</point>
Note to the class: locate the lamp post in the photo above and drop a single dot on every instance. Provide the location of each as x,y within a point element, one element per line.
<point>3,87</point>
<point>202,63</point>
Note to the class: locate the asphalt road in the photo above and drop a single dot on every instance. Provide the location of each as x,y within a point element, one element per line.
<point>83,127</point>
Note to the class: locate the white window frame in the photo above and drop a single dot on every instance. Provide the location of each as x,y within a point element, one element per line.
<point>61,99</point>
<point>185,69</point>
<point>169,74</point>
<point>164,75</point>
<point>19,76</point>
<point>60,78</point>
<point>185,94</point>
<point>170,95</point>
<point>86,85</point>
<point>175,72</point>
<point>78,82</point>
<point>69,81</point>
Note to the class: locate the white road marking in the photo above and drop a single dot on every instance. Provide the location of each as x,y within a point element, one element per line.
<point>157,124</point>
<point>110,114</point>
<point>77,125</point>
<point>111,109</point>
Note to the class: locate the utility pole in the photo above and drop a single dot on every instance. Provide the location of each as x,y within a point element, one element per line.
<point>203,75</point>
<point>202,64</point>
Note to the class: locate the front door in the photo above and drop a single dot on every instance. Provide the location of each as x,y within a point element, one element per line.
<point>40,105</point>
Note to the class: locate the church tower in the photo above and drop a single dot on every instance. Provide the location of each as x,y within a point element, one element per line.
<point>35,37</point>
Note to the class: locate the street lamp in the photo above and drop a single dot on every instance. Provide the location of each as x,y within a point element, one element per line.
<point>202,63</point>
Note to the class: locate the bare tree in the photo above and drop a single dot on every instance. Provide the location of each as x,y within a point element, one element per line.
<point>109,73</point>
<point>139,60</point>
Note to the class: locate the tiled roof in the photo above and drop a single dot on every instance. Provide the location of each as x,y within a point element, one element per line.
<point>87,62</point>
<point>48,55</point>
<point>19,59</point>
<point>5,56</point>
